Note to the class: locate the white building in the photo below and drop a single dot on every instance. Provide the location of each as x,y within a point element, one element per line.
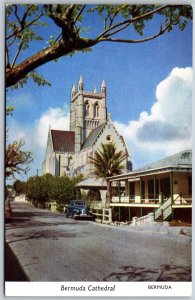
<point>67,152</point>
<point>163,188</point>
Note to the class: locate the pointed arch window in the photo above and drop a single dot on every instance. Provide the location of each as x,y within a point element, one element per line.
<point>97,110</point>
<point>87,106</point>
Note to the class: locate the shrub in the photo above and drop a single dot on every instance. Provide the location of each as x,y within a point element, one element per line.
<point>44,188</point>
<point>19,187</point>
<point>94,195</point>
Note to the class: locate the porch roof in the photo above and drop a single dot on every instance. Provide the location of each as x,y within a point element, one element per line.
<point>92,182</point>
<point>178,162</point>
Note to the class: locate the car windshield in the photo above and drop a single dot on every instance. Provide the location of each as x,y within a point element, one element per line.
<point>79,203</point>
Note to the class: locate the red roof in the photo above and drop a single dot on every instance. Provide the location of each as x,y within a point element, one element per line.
<point>63,141</point>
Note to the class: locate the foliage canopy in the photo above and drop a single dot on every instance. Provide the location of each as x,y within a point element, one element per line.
<point>75,31</point>
<point>108,161</point>
<point>17,160</point>
<point>48,187</point>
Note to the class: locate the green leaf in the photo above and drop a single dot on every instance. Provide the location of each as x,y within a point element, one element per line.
<point>9,110</point>
<point>39,79</point>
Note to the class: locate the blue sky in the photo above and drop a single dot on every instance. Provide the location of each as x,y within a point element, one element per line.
<point>148,95</point>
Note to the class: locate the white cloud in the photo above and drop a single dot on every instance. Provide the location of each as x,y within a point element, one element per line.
<point>36,135</point>
<point>57,117</point>
<point>167,129</point>
<point>163,131</point>
<point>15,131</point>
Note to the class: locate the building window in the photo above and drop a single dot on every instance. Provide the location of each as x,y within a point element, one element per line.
<point>86,108</point>
<point>142,183</point>
<point>109,138</point>
<point>165,187</point>
<point>132,190</point>
<point>153,190</point>
<point>96,110</point>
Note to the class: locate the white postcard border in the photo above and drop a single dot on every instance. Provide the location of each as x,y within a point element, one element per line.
<point>99,289</point>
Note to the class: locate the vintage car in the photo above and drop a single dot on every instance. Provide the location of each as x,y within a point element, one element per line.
<point>78,209</point>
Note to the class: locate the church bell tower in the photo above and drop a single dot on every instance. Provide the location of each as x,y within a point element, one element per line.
<point>87,111</point>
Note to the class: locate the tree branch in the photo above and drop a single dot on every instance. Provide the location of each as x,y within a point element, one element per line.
<point>61,19</point>
<point>16,13</point>
<point>17,53</point>
<point>16,160</point>
<point>7,57</point>
<point>8,45</point>
<point>137,41</point>
<point>63,47</point>
<point>69,11</point>
<point>79,14</point>
<point>70,41</point>
<point>114,16</point>
<point>19,29</point>
<point>117,30</point>
<point>131,20</point>
<point>25,15</point>
<point>58,37</point>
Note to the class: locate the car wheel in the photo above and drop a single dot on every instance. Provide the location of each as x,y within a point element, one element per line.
<point>74,216</point>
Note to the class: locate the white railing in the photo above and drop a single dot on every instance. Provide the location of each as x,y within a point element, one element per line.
<point>150,201</point>
<point>187,200</point>
<point>107,215</point>
<point>103,215</point>
<point>164,210</point>
<point>147,219</point>
<point>96,204</point>
<point>182,199</point>
<point>122,199</point>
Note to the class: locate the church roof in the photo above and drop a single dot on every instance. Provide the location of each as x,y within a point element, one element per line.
<point>63,141</point>
<point>92,137</point>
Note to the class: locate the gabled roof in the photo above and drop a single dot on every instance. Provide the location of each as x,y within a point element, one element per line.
<point>178,160</point>
<point>63,141</point>
<point>92,182</point>
<point>92,137</point>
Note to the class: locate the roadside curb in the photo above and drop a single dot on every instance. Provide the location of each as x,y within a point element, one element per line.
<point>157,229</point>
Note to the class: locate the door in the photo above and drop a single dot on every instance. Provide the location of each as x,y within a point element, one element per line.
<point>165,187</point>
<point>132,190</point>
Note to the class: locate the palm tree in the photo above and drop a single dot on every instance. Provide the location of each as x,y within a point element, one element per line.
<point>108,162</point>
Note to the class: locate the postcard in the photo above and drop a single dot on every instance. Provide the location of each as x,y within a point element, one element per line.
<point>98,149</point>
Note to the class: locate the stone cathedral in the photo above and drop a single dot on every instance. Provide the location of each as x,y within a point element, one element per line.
<point>67,152</point>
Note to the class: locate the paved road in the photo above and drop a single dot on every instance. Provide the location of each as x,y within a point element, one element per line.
<point>46,246</point>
